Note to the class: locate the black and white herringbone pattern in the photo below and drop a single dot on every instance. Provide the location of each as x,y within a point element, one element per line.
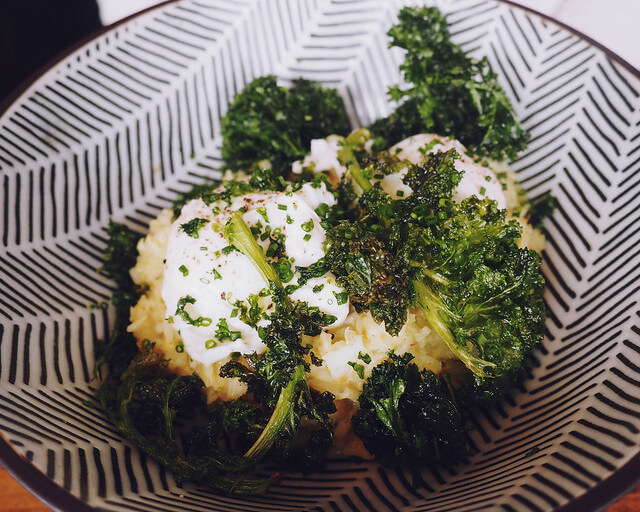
<point>121,126</point>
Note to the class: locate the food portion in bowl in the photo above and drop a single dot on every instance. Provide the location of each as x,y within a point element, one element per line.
<point>351,292</point>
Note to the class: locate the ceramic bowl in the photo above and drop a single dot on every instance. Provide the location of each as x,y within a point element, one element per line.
<point>131,118</point>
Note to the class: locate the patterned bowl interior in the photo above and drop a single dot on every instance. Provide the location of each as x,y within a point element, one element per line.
<point>119,127</point>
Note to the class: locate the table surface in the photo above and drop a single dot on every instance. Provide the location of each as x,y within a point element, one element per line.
<point>15,498</point>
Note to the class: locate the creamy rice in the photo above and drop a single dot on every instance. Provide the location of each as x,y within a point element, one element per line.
<point>358,334</point>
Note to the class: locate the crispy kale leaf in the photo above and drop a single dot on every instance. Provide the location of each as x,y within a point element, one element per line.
<point>269,122</point>
<point>150,408</point>
<point>449,93</point>
<point>406,417</point>
<point>277,378</point>
<point>371,273</point>
<point>480,292</point>
<point>541,208</point>
<point>120,256</point>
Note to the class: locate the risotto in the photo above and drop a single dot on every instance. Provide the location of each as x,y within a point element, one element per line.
<point>340,345</point>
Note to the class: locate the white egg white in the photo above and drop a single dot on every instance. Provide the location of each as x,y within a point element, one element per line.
<point>477,179</point>
<point>208,279</point>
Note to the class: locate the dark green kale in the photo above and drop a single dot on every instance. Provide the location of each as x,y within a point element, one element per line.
<point>407,417</point>
<point>120,256</point>
<point>321,111</point>
<point>233,426</point>
<point>269,122</point>
<point>152,406</point>
<point>155,403</point>
<point>541,208</point>
<point>481,293</point>
<point>449,93</point>
<point>403,122</point>
<point>476,391</point>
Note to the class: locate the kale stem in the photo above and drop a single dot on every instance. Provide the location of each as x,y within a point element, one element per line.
<point>282,419</point>
<point>355,172</point>
<point>348,158</point>
<point>166,412</point>
<point>433,309</point>
<point>240,236</point>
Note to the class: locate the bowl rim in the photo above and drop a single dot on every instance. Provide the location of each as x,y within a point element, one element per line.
<point>601,495</point>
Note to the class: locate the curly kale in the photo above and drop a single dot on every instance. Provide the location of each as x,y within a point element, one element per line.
<point>449,93</point>
<point>233,425</point>
<point>150,409</point>
<point>372,274</point>
<point>480,292</point>
<point>407,417</point>
<point>540,209</point>
<point>120,349</point>
<point>269,122</point>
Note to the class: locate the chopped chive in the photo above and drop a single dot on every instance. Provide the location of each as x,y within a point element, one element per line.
<point>341,298</point>
<point>364,357</point>
<point>224,333</point>
<point>358,368</point>
<point>262,210</point>
<point>201,321</point>
<point>307,226</point>
<point>192,227</point>
<point>322,209</point>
